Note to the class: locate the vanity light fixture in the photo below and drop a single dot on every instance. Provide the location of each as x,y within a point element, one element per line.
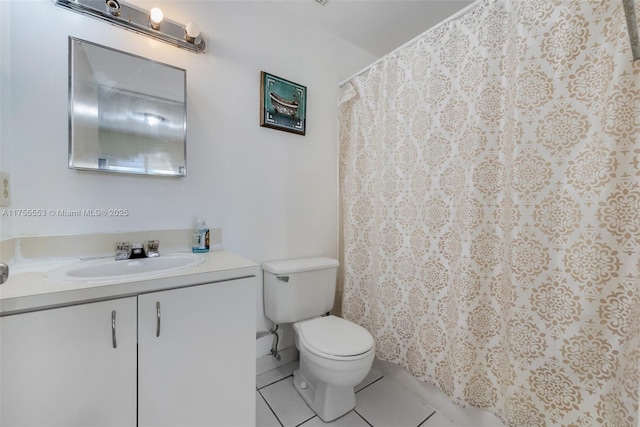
<point>149,23</point>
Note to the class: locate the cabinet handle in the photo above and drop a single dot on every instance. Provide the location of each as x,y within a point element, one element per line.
<point>157,319</point>
<point>113,329</point>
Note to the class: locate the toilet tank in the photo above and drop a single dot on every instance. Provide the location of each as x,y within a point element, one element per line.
<point>298,289</point>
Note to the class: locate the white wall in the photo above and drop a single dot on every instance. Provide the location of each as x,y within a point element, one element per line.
<point>274,194</point>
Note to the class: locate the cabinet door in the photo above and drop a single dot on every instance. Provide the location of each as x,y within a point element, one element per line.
<point>59,367</point>
<point>200,369</point>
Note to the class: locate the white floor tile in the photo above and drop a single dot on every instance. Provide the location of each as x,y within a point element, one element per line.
<point>351,419</point>
<point>264,416</point>
<point>285,401</point>
<point>437,420</point>
<point>374,375</point>
<point>277,374</point>
<point>385,404</point>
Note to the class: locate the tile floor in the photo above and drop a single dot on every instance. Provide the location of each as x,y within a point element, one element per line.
<point>380,402</point>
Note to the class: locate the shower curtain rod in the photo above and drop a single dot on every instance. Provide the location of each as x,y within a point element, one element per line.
<point>413,40</point>
<point>632,27</point>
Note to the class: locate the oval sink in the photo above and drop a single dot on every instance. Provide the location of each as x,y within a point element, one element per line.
<point>109,269</point>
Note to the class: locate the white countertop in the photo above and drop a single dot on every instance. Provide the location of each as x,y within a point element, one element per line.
<point>29,289</point>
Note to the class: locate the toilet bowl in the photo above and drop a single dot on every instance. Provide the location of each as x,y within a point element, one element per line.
<point>335,355</point>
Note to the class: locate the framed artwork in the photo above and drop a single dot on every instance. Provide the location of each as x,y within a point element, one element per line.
<point>283,104</point>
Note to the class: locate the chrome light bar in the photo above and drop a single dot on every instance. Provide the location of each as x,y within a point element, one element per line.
<point>138,20</point>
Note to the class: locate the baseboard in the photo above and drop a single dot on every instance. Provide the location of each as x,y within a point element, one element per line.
<point>434,397</point>
<point>268,362</point>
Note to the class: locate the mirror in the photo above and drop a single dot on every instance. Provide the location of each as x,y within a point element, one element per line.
<point>126,113</point>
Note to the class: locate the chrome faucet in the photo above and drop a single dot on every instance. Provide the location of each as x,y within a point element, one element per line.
<point>126,250</point>
<point>137,251</point>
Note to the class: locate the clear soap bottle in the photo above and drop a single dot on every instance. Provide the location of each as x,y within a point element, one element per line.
<point>200,237</point>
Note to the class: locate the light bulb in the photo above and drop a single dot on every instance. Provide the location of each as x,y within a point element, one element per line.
<point>113,7</point>
<point>155,17</point>
<point>191,31</point>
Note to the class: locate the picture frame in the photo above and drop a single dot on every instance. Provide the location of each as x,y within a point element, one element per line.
<point>283,104</point>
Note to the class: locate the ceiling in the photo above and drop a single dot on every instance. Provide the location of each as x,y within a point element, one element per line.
<point>377,26</point>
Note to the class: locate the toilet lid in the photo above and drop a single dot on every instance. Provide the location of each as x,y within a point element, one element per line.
<point>335,336</point>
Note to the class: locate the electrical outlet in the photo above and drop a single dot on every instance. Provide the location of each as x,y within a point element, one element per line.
<point>5,189</point>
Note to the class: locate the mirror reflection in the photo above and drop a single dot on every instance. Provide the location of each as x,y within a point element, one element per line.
<point>127,113</point>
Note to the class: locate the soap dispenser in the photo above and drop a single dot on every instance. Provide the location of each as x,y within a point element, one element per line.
<point>200,237</point>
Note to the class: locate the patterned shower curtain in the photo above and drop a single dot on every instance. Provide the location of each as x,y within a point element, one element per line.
<point>490,198</point>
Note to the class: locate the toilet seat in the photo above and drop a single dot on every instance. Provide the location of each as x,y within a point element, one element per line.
<point>334,338</point>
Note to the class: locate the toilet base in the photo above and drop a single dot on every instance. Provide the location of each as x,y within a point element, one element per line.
<point>327,401</point>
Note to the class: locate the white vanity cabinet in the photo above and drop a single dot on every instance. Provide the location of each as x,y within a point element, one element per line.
<point>196,355</point>
<point>182,357</point>
<point>59,367</point>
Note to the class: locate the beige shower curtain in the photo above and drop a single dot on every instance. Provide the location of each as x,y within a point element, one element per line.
<point>490,196</point>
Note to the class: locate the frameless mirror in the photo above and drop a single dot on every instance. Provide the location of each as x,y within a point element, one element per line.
<point>126,113</point>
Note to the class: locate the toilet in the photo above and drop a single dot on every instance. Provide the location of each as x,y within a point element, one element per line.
<point>335,354</point>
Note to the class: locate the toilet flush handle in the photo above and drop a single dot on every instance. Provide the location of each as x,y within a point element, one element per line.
<point>283,278</point>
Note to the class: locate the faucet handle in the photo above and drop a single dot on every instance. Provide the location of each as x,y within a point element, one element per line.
<point>123,246</point>
<point>123,250</point>
<point>151,247</point>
